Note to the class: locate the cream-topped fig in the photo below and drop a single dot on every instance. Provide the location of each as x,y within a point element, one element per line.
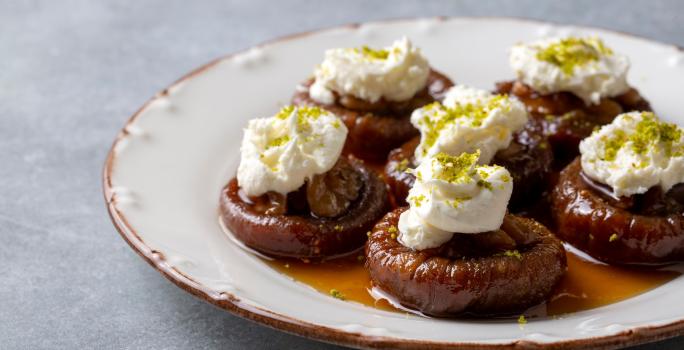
<point>394,73</point>
<point>453,194</point>
<point>281,152</point>
<point>635,152</point>
<point>469,119</point>
<point>585,67</point>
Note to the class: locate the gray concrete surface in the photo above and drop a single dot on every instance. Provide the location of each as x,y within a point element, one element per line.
<point>71,72</point>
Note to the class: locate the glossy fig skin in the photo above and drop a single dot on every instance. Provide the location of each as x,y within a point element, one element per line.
<point>566,119</point>
<point>528,158</point>
<point>305,236</point>
<point>432,282</point>
<point>587,221</point>
<point>376,128</point>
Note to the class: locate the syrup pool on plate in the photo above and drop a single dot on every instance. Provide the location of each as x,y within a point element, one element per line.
<point>586,285</point>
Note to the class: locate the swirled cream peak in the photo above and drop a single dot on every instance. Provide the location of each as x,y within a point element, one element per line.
<point>585,67</point>
<point>394,73</point>
<point>469,120</point>
<point>634,153</point>
<point>453,194</point>
<point>279,153</point>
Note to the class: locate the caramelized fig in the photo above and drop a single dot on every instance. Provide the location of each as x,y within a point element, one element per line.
<point>330,194</point>
<point>642,229</point>
<point>466,275</point>
<point>376,128</point>
<point>567,119</point>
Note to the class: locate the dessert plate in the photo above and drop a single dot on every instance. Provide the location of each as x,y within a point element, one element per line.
<point>164,173</point>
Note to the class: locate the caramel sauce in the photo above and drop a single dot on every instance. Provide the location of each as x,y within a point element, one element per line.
<point>585,286</point>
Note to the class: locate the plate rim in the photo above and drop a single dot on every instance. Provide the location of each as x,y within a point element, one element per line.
<point>231,303</point>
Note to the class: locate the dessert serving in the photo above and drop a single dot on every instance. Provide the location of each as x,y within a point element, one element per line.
<point>622,199</point>
<point>571,85</point>
<point>470,120</point>
<point>294,195</point>
<point>388,208</point>
<point>374,92</point>
<point>455,249</point>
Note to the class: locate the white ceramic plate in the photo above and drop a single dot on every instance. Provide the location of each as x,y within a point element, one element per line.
<point>167,166</point>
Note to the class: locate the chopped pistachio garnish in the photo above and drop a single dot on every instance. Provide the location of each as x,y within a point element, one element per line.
<point>360,258</point>
<point>650,132</point>
<point>368,233</point>
<point>513,253</point>
<point>573,52</point>
<point>278,141</point>
<point>337,294</point>
<point>417,200</point>
<point>485,184</point>
<point>613,237</point>
<point>438,116</point>
<point>457,201</point>
<point>392,229</point>
<point>305,114</point>
<point>456,169</point>
<point>338,228</point>
<point>403,165</point>
<point>522,320</point>
<point>372,54</point>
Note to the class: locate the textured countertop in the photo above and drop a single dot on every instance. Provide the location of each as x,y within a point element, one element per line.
<point>72,72</point>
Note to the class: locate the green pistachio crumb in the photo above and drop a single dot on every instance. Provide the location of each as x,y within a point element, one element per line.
<point>438,116</point>
<point>572,52</point>
<point>418,200</point>
<point>613,237</point>
<point>337,294</point>
<point>373,54</point>
<point>513,253</point>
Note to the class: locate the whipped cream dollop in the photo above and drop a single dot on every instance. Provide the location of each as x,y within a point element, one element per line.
<point>469,120</point>
<point>279,153</point>
<point>394,73</point>
<point>453,194</point>
<point>634,153</point>
<point>583,66</point>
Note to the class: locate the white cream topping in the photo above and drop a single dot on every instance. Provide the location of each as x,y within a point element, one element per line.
<point>279,153</point>
<point>469,120</point>
<point>394,73</point>
<point>634,153</point>
<point>582,66</point>
<point>453,195</point>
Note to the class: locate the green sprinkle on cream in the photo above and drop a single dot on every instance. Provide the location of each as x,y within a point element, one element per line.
<point>650,133</point>
<point>277,142</point>
<point>305,114</point>
<point>417,200</point>
<point>573,52</point>
<point>372,54</point>
<point>456,169</point>
<point>438,116</point>
<point>522,320</point>
<point>403,165</point>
